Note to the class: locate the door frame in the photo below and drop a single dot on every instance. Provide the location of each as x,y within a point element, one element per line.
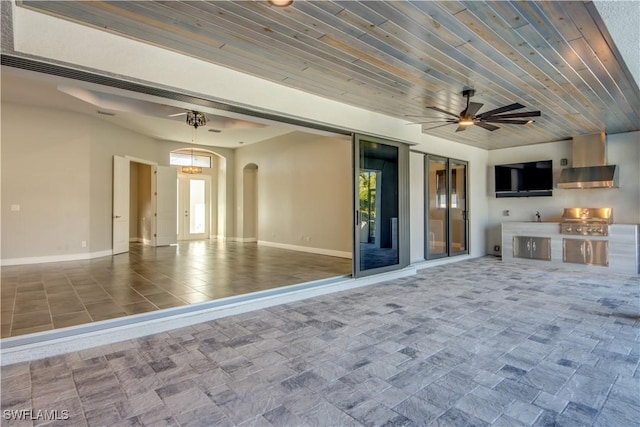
<point>126,202</point>
<point>403,204</point>
<point>154,193</point>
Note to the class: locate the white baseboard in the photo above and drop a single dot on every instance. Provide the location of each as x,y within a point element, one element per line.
<point>240,239</point>
<point>319,251</point>
<point>55,258</point>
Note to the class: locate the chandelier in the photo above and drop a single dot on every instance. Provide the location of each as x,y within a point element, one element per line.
<point>196,119</point>
<point>192,169</point>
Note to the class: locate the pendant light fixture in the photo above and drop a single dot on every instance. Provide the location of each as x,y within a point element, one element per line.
<point>192,169</point>
<point>195,119</point>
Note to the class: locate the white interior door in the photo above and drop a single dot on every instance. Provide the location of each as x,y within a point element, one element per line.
<point>120,205</point>
<point>166,205</point>
<point>193,206</point>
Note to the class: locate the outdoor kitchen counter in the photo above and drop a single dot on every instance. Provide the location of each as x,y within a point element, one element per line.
<point>624,245</point>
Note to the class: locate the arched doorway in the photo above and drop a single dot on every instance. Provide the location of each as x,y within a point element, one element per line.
<point>202,207</point>
<point>250,203</point>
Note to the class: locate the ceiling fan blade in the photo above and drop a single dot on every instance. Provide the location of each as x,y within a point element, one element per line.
<point>444,111</point>
<point>435,127</point>
<point>504,109</point>
<point>474,107</point>
<point>423,117</point>
<point>177,114</point>
<point>514,115</point>
<point>513,122</point>
<point>426,123</point>
<point>460,128</point>
<point>486,126</point>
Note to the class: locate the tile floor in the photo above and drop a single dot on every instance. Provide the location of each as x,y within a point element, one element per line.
<point>56,295</point>
<point>473,343</point>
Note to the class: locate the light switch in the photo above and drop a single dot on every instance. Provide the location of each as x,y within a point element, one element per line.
<point>15,208</point>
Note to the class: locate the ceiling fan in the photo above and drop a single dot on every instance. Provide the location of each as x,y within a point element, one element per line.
<point>468,116</point>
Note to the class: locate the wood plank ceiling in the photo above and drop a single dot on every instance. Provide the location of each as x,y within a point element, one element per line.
<point>398,57</point>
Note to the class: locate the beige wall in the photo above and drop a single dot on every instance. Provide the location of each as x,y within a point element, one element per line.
<point>249,188</point>
<point>44,162</point>
<point>65,198</point>
<point>304,190</point>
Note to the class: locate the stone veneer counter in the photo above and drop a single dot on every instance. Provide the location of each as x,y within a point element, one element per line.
<point>624,245</point>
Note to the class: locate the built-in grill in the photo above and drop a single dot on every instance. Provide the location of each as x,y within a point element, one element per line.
<point>586,221</point>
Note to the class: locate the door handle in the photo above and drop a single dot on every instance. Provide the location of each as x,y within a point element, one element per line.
<point>117,216</point>
<point>534,246</point>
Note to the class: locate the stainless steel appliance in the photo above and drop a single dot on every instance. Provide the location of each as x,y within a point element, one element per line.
<point>532,247</point>
<point>584,251</point>
<point>590,168</point>
<point>586,221</point>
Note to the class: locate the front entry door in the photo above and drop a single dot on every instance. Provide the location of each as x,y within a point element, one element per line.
<point>381,238</point>
<point>193,206</point>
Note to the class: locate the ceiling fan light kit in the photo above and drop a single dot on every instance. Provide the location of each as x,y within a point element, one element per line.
<point>469,116</point>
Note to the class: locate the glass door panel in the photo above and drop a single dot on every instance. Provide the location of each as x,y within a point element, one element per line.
<point>197,206</point>
<point>380,181</point>
<point>437,201</point>
<point>193,207</point>
<point>458,207</point>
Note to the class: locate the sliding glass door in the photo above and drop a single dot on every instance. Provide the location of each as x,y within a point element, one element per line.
<point>381,205</point>
<point>436,210</point>
<point>446,216</point>
<point>458,207</point>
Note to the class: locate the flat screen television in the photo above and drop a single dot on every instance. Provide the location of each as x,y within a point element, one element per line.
<point>530,179</point>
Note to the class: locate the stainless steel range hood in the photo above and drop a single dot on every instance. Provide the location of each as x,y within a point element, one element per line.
<point>590,169</point>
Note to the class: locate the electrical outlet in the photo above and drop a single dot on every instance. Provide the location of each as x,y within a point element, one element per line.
<point>505,213</point>
<point>84,243</point>
<point>15,208</point>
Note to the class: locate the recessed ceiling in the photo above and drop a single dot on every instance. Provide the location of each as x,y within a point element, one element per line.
<point>399,57</point>
<point>156,118</point>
